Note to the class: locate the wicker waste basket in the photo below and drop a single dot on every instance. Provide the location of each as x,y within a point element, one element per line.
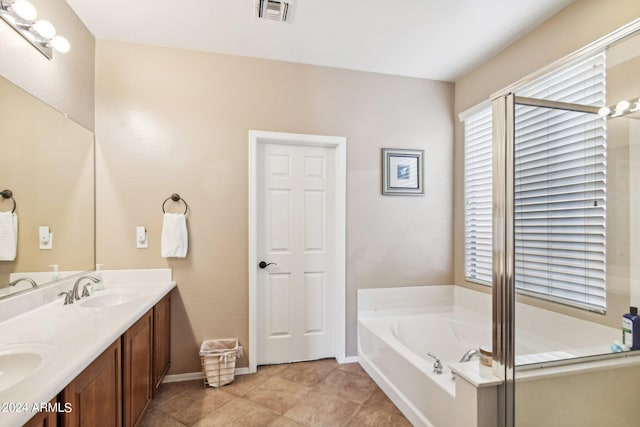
<point>218,358</point>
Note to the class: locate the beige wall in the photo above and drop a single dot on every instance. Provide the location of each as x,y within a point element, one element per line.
<point>572,28</point>
<point>66,82</point>
<point>177,121</point>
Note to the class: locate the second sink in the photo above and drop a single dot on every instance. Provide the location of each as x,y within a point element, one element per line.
<point>109,299</point>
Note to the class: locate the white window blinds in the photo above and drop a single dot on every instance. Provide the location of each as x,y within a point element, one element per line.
<point>560,189</point>
<point>477,193</point>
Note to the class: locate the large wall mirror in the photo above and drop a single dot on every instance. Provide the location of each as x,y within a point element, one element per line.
<point>47,162</point>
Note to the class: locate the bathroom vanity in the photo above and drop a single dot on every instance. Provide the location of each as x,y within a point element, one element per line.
<point>97,361</point>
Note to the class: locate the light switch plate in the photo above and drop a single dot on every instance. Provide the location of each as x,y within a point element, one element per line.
<point>45,237</point>
<point>141,237</point>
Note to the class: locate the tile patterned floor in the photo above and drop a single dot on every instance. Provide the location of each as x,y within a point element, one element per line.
<point>317,393</point>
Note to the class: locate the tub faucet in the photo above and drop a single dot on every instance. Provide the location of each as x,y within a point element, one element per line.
<point>468,355</point>
<point>24,279</point>
<point>74,292</point>
<point>437,366</point>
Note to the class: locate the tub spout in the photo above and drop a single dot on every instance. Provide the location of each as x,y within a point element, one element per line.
<point>468,355</point>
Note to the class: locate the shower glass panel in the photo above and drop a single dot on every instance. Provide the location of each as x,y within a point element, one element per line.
<point>574,241</point>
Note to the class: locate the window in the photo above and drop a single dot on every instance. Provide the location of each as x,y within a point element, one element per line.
<point>559,190</point>
<point>477,196</point>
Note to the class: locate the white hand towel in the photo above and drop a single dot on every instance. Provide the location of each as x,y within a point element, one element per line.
<point>175,238</point>
<point>8,236</point>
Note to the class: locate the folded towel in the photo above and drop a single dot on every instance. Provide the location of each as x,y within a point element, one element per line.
<point>8,236</point>
<point>175,238</point>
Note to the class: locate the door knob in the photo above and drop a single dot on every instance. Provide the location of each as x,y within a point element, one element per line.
<point>265,265</point>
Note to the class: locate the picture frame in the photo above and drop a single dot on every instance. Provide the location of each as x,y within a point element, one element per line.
<point>402,172</point>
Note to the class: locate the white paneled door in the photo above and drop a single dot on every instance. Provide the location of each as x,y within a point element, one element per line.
<point>296,237</point>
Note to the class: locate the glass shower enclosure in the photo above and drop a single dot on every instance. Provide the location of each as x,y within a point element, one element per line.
<point>566,185</point>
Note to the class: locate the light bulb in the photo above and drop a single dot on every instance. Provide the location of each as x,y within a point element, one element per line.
<point>24,10</point>
<point>622,106</point>
<point>45,29</point>
<point>604,111</point>
<point>60,44</point>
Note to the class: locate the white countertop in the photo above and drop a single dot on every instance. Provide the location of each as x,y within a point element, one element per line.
<point>71,337</point>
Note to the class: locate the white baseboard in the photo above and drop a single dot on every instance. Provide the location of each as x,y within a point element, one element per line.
<point>176,378</point>
<point>348,359</point>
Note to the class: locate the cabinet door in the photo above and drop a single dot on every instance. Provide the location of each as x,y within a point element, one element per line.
<point>96,394</point>
<point>138,348</point>
<point>161,340</point>
<point>44,419</point>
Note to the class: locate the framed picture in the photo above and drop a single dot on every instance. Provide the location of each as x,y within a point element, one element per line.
<point>402,172</point>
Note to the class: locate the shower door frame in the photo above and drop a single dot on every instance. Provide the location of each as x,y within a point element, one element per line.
<point>503,278</point>
<point>503,289</point>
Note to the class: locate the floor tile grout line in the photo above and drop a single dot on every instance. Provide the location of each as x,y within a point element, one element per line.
<point>220,408</point>
<point>344,397</point>
<point>173,397</point>
<point>328,369</point>
<point>168,416</point>
<point>352,415</point>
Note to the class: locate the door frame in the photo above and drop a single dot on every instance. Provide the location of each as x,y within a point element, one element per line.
<point>339,144</point>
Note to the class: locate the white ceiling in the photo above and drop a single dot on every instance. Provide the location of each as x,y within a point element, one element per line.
<point>433,39</point>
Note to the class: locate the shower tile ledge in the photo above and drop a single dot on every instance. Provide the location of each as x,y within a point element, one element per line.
<point>476,374</point>
<point>595,363</point>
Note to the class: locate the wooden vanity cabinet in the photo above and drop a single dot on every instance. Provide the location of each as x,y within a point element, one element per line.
<point>44,419</point>
<point>161,340</point>
<point>117,388</point>
<point>96,394</point>
<point>137,349</point>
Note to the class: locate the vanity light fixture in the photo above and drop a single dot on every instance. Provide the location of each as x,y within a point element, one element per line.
<point>21,15</point>
<point>620,109</point>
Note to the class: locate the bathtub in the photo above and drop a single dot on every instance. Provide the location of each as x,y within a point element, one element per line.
<point>397,327</point>
<point>393,347</point>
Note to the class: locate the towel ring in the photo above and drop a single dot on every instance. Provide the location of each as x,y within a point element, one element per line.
<point>8,194</point>
<point>176,198</point>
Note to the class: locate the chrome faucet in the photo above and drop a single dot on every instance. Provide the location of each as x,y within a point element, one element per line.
<point>468,355</point>
<point>75,295</point>
<point>24,279</point>
<point>68,297</point>
<point>437,366</point>
<point>85,290</point>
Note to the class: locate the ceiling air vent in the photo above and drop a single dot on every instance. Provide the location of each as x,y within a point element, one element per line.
<point>276,10</point>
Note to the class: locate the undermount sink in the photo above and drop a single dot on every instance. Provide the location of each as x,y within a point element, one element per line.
<point>17,362</point>
<point>110,299</point>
